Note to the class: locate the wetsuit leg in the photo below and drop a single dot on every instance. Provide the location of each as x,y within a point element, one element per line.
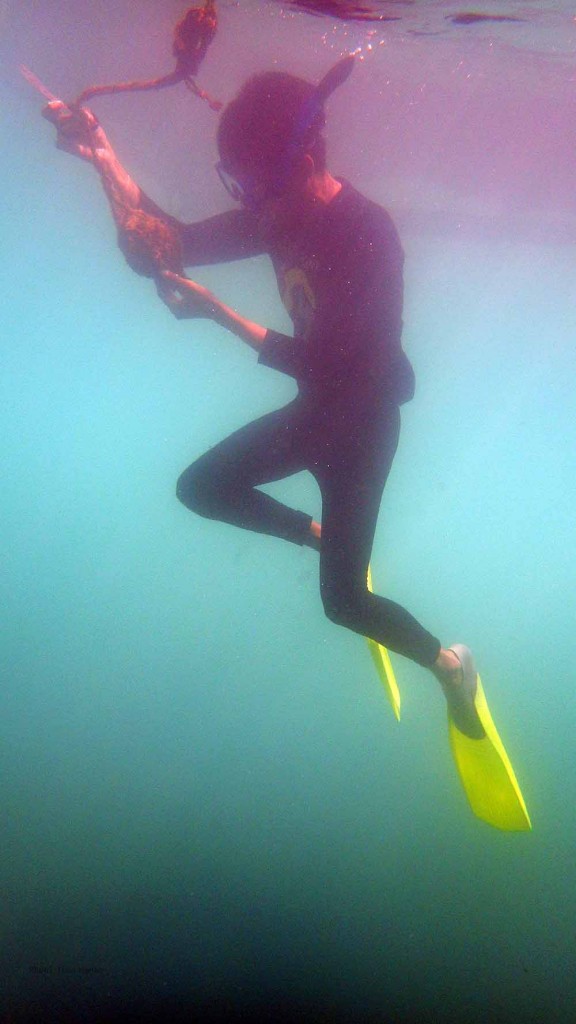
<point>223,483</point>
<point>351,467</point>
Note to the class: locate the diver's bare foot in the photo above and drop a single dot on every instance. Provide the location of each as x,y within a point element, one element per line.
<point>458,681</point>
<point>447,668</point>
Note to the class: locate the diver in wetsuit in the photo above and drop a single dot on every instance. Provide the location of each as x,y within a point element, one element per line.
<point>338,262</point>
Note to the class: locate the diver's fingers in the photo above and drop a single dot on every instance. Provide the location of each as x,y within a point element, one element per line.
<point>76,149</point>
<point>58,112</point>
<point>181,284</point>
<point>169,297</point>
<point>54,110</point>
<point>177,304</point>
<point>191,291</point>
<point>161,289</point>
<point>195,298</point>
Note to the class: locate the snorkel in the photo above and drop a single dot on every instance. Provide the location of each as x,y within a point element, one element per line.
<point>192,36</point>
<point>311,118</point>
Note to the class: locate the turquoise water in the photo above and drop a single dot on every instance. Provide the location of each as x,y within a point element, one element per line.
<point>208,805</point>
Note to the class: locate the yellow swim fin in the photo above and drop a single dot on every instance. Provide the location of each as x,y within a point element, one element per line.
<point>384,666</point>
<point>486,773</point>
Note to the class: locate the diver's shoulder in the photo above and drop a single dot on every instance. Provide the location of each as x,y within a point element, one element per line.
<point>368,216</point>
<point>358,202</point>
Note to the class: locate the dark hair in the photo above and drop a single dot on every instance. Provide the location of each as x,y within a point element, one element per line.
<point>274,118</point>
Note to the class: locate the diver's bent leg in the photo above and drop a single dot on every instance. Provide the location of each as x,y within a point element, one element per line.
<point>233,501</point>
<point>222,483</point>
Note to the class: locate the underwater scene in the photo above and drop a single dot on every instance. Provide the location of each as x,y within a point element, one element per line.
<point>220,802</point>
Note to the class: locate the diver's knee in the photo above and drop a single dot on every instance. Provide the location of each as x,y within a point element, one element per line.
<point>197,493</point>
<point>344,601</point>
<point>336,605</point>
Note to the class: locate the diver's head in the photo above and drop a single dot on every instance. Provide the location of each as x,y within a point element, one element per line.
<point>270,136</point>
<point>260,139</point>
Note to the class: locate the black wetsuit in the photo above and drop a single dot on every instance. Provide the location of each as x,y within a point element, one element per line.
<point>340,277</point>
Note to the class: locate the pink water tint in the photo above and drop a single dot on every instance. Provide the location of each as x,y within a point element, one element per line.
<point>469,131</point>
<point>466,129</point>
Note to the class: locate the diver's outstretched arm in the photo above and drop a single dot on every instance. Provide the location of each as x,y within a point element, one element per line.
<point>149,242</point>
<point>80,133</point>
<point>218,239</point>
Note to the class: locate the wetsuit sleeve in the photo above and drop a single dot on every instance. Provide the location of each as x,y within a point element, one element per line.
<point>356,323</point>
<point>223,238</point>
<point>287,353</point>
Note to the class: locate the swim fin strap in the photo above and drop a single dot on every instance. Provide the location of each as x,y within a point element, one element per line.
<point>383,665</point>
<point>486,773</point>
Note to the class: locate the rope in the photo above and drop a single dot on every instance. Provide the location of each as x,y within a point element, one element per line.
<point>192,37</point>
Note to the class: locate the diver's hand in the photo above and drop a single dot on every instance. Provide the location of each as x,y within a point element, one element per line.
<point>79,131</point>
<point>185,298</point>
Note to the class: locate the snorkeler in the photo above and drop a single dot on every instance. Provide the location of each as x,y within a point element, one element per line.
<point>339,266</point>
